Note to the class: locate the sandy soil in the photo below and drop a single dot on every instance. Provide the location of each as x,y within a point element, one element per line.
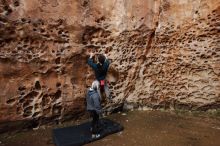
<point>142,128</point>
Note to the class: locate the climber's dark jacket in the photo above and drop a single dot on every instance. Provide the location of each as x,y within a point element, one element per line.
<point>99,76</point>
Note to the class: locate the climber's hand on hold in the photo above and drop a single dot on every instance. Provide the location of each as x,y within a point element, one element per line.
<point>91,55</point>
<point>105,55</point>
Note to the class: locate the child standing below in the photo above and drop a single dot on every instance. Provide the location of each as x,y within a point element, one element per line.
<point>94,107</point>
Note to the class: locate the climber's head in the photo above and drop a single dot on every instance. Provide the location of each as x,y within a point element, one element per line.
<point>101,58</point>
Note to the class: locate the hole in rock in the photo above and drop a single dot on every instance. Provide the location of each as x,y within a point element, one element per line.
<point>42,30</point>
<point>21,88</point>
<point>45,100</point>
<point>9,11</point>
<point>26,103</point>
<point>57,95</point>
<point>27,113</point>
<point>57,110</point>
<point>21,100</point>
<point>57,60</point>
<point>6,7</point>
<point>214,11</point>
<point>58,84</point>
<point>36,106</point>
<point>213,53</point>
<point>29,108</point>
<point>37,85</point>
<point>16,3</point>
<point>31,95</point>
<point>10,101</point>
<point>36,114</point>
<point>29,57</point>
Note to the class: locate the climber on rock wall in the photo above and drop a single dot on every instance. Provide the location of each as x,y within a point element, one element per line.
<point>101,68</point>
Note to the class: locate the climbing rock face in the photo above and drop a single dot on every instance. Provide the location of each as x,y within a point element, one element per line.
<point>182,67</point>
<point>163,53</point>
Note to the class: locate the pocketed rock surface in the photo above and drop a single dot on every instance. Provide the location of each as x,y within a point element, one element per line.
<point>164,54</point>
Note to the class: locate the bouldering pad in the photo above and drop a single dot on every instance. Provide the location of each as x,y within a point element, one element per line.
<point>80,134</point>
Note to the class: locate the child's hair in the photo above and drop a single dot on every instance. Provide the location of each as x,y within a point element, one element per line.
<point>95,85</point>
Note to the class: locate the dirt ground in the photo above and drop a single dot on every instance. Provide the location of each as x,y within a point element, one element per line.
<point>141,128</point>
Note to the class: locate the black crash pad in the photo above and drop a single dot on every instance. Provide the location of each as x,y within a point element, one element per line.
<point>80,134</point>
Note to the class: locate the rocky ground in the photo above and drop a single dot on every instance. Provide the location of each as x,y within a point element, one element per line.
<point>141,128</point>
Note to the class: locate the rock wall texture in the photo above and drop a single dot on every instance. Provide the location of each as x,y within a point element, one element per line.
<point>164,54</point>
